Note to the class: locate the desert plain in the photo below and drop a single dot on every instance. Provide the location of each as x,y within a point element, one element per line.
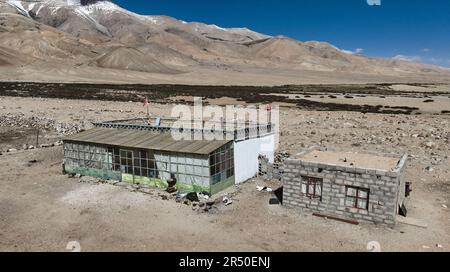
<point>43,210</point>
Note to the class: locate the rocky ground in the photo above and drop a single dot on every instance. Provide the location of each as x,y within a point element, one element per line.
<point>44,210</point>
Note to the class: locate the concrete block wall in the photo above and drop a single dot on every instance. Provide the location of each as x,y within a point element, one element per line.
<point>268,170</point>
<point>386,190</point>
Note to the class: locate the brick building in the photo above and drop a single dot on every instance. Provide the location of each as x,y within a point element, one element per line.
<point>359,187</point>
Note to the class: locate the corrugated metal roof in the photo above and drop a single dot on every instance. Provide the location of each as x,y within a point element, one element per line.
<point>143,139</point>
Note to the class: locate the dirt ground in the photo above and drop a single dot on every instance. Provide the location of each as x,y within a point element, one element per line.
<point>43,210</point>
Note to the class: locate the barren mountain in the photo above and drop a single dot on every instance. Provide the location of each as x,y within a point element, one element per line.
<point>74,35</point>
<point>128,58</point>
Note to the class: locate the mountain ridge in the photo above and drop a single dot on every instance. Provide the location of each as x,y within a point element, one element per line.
<point>77,33</point>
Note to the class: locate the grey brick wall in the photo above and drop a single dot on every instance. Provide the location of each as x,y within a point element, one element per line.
<point>386,190</point>
<point>269,171</point>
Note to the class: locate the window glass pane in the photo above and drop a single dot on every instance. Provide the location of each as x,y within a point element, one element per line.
<point>363,194</point>
<point>189,169</point>
<point>181,168</point>
<point>350,202</point>
<point>197,170</point>
<point>351,192</point>
<point>205,161</point>
<point>362,204</point>
<point>229,173</point>
<point>182,159</point>
<point>189,161</point>
<point>205,171</point>
<point>318,190</point>
<point>310,189</point>
<point>304,190</point>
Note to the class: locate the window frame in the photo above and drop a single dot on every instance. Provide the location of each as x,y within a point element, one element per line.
<point>355,199</point>
<point>315,182</point>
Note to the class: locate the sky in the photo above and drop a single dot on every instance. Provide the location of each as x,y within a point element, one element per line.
<point>417,30</point>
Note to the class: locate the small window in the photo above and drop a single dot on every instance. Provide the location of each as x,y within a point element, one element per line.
<point>312,187</point>
<point>357,198</point>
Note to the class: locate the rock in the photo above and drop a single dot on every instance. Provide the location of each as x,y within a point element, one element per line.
<point>11,150</point>
<point>429,144</point>
<point>31,147</point>
<point>88,179</point>
<point>444,206</point>
<point>227,201</point>
<point>147,191</point>
<point>439,246</point>
<point>429,169</point>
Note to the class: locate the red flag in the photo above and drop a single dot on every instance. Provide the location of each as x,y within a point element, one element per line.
<point>269,107</point>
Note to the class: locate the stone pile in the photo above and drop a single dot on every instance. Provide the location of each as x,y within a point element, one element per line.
<point>20,120</point>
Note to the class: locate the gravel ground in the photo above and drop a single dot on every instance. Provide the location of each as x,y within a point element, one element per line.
<point>42,210</point>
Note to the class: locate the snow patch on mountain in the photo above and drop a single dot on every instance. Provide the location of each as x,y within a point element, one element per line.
<point>19,7</point>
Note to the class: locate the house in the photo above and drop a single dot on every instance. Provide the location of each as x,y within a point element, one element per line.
<point>140,151</point>
<point>355,186</point>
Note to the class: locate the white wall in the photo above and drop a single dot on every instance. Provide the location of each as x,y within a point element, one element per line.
<point>246,156</point>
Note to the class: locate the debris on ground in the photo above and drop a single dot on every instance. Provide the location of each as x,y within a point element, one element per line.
<point>193,197</point>
<point>274,201</point>
<point>439,246</point>
<point>180,196</point>
<point>31,162</point>
<point>164,197</point>
<point>204,195</point>
<point>171,190</point>
<point>264,189</point>
<point>227,201</point>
